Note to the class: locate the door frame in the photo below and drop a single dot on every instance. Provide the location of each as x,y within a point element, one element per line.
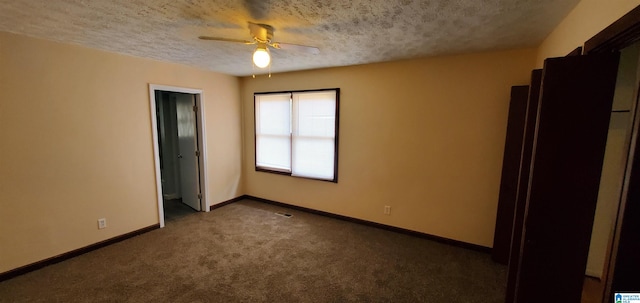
<point>620,34</point>
<point>202,144</point>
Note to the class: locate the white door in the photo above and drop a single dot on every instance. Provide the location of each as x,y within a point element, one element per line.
<point>187,150</point>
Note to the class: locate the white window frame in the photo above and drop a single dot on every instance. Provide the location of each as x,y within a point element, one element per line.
<point>288,172</point>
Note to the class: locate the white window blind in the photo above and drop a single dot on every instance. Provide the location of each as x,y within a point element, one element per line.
<point>273,131</point>
<point>313,134</point>
<point>296,133</point>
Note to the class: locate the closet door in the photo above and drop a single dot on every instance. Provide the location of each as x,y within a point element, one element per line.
<point>510,170</point>
<point>569,142</point>
<point>523,180</point>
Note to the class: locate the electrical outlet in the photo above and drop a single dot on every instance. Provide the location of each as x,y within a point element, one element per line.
<point>387,210</point>
<point>102,223</point>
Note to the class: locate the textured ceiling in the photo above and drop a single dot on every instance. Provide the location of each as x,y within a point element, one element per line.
<point>347,32</point>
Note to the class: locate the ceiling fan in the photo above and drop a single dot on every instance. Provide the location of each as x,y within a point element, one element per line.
<point>263,36</point>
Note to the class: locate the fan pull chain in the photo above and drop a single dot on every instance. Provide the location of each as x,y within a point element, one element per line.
<point>253,70</point>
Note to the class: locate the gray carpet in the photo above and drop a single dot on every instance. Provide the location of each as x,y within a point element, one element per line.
<point>243,252</point>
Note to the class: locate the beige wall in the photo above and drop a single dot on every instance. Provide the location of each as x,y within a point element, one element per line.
<point>76,144</point>
<point>423,136</point>
<point>588,18</point>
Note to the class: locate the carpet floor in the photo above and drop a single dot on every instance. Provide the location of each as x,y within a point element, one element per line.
<point>244,252</point>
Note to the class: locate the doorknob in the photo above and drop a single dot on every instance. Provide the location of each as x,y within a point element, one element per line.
<point>179,156</point>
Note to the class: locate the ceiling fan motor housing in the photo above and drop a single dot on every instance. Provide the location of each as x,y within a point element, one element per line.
<point>262,33</point>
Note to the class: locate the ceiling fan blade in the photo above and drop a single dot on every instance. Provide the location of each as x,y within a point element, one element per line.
<point>225,39</point>
<point>295,47</point>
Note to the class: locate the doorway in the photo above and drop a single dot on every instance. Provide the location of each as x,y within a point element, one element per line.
<point>179,151</point>
<point>616,159</point>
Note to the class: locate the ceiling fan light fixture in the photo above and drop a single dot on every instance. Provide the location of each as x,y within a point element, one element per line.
<point>261,57</point>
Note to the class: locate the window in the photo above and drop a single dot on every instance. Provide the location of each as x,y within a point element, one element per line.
<point>297,133</point>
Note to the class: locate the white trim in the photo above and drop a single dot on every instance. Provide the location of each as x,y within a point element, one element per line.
<point>202,144</point>
<point>156,153</point>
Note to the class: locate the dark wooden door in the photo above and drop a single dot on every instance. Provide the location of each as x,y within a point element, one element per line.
<point>515,176</point>
<point>569,143</point>
<point>523,181</point>
<point>510,170</point>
